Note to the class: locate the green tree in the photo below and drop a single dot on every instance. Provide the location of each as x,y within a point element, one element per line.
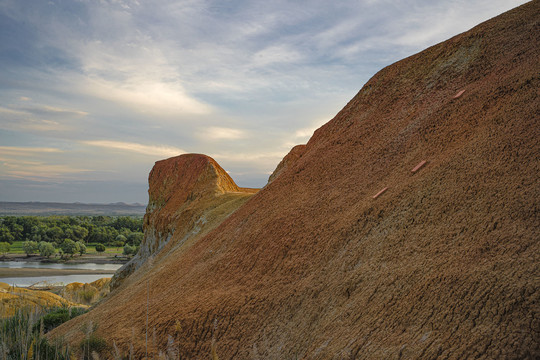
<point>46,249</point>
<point>17,231</point>
<point>129,250</point>
<point>4,248</point>
<point>100,248</point>
<point>135,238</point>
<point>69,247</point>
<point>30,247</point>
<point>55,234</point>
<point>80,233</point>
<point>82,247</point>
<point>5,235</point>
<point>119,241</point>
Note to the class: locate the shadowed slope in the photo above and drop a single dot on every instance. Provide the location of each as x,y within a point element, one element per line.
<point>443,264</point>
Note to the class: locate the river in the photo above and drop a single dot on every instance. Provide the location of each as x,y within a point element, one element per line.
<point>106,270</point>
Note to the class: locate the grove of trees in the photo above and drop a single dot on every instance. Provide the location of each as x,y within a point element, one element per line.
<point>71,234</point>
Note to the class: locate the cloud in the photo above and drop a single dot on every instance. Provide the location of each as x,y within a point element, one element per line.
<point>39,118</point>
<point>152,150</point>
<point>221,133</point>
<point>34,163</point>
<point>250,156</point>
<point>26,150</point>
<point>38,170</point>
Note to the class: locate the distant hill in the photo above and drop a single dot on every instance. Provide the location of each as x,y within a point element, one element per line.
<point>53,208</point>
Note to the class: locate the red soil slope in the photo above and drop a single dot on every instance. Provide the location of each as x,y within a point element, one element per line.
<point>444,264</point>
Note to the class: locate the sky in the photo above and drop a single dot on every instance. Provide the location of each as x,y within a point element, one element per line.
<point>94,92</point>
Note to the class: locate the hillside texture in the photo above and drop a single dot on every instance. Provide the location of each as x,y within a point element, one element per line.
<point>444,264</point>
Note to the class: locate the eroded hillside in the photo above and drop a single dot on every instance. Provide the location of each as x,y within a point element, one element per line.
<point>189,195</point>
<point>443,264</point>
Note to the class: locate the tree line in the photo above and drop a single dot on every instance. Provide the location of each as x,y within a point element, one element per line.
<point>72,234</point>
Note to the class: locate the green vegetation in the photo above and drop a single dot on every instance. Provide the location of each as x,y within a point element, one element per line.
<point>57,316</point>
<point>100,248</point>
<point>27,233</point>
<point>30,247</point>
<point>23,334</point>
<point>130,250</point>
<point>4,248</point>
<point>46,249</point>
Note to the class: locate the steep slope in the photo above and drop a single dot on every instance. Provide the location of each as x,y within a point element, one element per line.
<point>188,196</point>
<point>289,160</point>
<point>443,264</point>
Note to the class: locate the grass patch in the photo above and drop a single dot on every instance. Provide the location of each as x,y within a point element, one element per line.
<point>109,250</point>
<point>16,248</point>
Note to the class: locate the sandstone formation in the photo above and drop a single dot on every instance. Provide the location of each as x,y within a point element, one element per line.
<point>444,264</point>
<point>188,196</point>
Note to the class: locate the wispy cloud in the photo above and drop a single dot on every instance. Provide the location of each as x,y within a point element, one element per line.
<point>26,150</point>
<point>39,171</point>
<point>38,117</point>
<point>153,150</point>
<point>221,133</point>
<point>36,163</point>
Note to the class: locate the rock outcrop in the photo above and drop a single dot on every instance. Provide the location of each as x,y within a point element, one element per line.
<point>444,264</point>
<point>188,196</point>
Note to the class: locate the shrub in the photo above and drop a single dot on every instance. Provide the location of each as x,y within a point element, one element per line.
<point>129,250</point>
<point>54,319</point>
<point>30,247</point>
<point>57,317</point>
<point>100,248</point>
<point>82,247</point>
<point>69,247</point>
<point>4,248</point>
<point>46,249</point>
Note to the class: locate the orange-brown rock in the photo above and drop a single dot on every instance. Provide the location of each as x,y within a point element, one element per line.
<point>188,196</point>
<point>289,160</point>
<point>444,264</point>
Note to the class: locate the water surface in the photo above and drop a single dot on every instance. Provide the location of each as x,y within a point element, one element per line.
<point>52,280</point>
